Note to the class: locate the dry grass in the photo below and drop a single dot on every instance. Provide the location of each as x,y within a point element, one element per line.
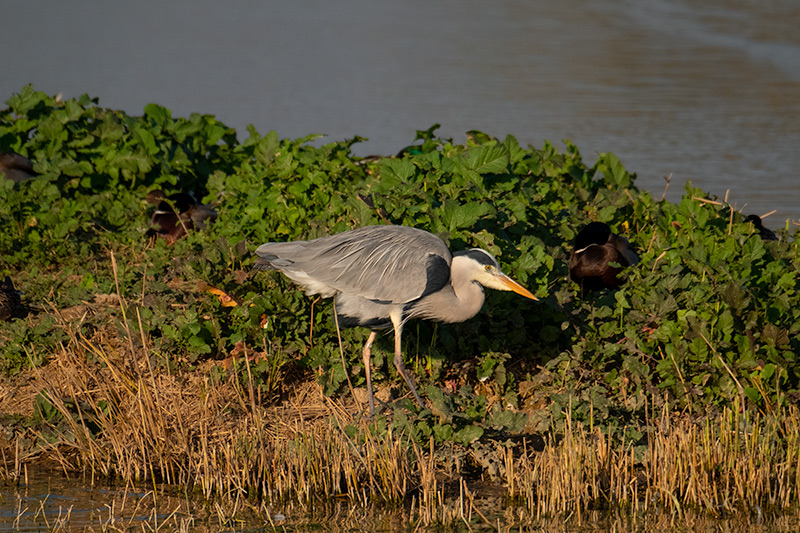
<point>123,421</point>
<point>727,465</point>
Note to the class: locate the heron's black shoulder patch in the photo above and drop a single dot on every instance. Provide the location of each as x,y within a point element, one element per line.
<point>437,274</point>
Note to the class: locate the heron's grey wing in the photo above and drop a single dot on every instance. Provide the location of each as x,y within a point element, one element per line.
<point>280,255</point>
<point>394,264</point>
<point>293,259</point>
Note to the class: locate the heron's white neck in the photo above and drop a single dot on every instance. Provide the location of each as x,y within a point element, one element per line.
<point>459,300</point>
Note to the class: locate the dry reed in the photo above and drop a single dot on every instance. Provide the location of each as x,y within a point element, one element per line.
<point>126,422</point>
<point>728,464</point>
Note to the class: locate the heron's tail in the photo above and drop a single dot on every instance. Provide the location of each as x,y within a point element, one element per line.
<point>264,263</point>
<point>278,255</point>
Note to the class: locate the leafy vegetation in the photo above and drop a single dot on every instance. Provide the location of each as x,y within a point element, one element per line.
<point>710,316</point>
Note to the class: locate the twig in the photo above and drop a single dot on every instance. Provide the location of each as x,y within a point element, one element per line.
<point>741,389</point>
<point>652,240</point>
<point>674,362</point>
<point>706,201</point>
<point>628,193</point>
<point>472,504</point>
<point>730,222</point>
<point>657,259</point>
<point>668,179</point>
<point>311,333</point>
<point>341,351</point>
<point>122,308</point>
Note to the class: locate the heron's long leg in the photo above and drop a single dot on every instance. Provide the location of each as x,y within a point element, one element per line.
<point>398,357</point>
<point>366,353</point>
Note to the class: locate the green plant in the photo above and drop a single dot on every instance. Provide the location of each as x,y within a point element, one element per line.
<point>710,314</point>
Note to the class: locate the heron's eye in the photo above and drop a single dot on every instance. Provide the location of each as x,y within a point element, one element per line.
<point>488,268</point>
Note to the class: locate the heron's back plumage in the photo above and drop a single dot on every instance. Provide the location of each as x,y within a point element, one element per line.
<point>387,264</point>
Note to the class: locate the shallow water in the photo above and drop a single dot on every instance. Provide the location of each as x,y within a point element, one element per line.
<point>705,92</point>
<point>49,501</point>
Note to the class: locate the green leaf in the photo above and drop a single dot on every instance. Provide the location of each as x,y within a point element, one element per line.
<point>47,411</point>
<point>768,371</point>
<point>456,215</point>
<point>611,167</point>
<point>267,147</point>
<point>148,140</point>
<point>486,159</point>
<point>393,172</point>
<point>160,115</point>
<point>468,434</point>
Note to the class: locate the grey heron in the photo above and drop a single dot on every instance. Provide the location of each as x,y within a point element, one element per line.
<point>595,247</point>
<point>382,276</point>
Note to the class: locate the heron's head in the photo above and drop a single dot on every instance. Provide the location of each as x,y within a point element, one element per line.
<point>480,266</point>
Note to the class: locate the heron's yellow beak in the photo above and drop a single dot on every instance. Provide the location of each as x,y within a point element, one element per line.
<point>512,285</point>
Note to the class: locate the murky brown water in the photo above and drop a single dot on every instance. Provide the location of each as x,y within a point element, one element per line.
<point>707,92</point>
<point>48,501</point>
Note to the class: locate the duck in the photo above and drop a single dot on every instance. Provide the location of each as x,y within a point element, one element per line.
<point>766,233</point>
<point>10,301</point>
<point>177,214</point>
<point>594,249</point>
<point>16,167</point>
<point>410,150</point>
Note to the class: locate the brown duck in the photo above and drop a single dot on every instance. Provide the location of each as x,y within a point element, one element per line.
<point>766,233</point>
<point>16,167</point>
<point>10,301</point>
<point>177,214</point>
<point>595,248</point>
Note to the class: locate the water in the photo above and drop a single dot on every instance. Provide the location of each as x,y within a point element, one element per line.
<point>46,500</point>
<point>49,501</point>
<point>705,92</point>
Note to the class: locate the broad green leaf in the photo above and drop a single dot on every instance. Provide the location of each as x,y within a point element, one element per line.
<point>468,434</point>
<point>613,171</point>
<point>160,115</point>
<point>395,172</point>
<point>486,159</point>
<point>456,215</point>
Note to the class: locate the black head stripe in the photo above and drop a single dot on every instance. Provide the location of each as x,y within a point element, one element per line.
<point>479,256</point>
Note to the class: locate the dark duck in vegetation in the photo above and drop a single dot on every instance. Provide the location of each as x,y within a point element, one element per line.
<point>596,247</point>
<point>412,150</point>
<point>177,214</point>
<point>10,301</point>
<point>766,233</point>
<point>16,167</point>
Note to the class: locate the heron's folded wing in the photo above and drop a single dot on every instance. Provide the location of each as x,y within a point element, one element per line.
<point>396,264</point>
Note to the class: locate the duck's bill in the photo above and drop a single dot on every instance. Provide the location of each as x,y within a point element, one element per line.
<point>512,285</point>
